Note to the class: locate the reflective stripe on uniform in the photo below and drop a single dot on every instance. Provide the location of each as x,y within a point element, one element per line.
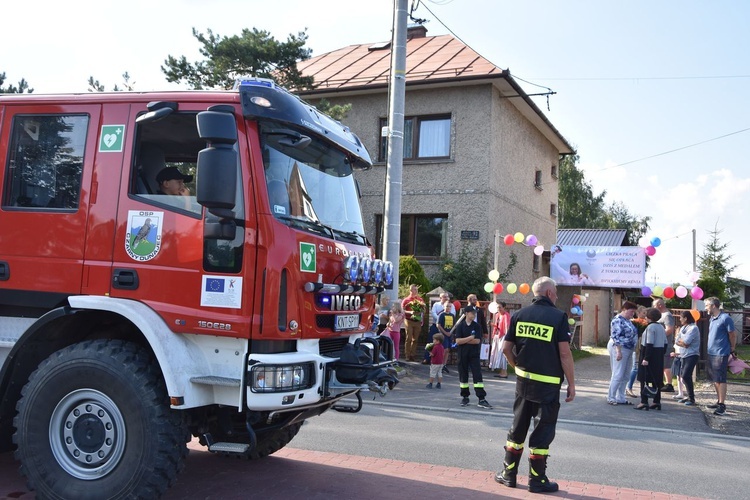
<point>479,384</point>
<point>463,385</point>
<point>547,379</point>
<point>539,451</point>
<point>515,446</point>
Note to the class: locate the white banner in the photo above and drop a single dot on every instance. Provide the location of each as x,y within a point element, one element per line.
<point>610,267</point>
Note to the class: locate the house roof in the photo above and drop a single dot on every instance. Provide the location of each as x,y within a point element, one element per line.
<point>431,61</point>
<point>591,237</point>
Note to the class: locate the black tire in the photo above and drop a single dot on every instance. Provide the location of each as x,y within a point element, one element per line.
<point>271,442</point>
<point>94,422</point>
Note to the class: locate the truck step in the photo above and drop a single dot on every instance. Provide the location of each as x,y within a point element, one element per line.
<point>212,380</point>
<point>229,447</point>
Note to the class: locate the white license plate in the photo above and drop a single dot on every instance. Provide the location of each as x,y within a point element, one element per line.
<point>346,322</point>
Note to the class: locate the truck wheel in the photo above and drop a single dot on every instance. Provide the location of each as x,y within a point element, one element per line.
<point>271,442</point>
<point>94,422</point>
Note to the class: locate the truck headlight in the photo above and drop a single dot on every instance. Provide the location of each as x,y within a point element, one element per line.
<point>282,378</point>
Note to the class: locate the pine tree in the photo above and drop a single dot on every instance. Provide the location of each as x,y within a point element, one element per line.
<point>716,269</point>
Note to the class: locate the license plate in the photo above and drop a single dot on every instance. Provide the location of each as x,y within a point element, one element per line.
<point>346,322</point>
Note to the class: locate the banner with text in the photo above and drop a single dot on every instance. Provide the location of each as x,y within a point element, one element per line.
<point>611,267</point>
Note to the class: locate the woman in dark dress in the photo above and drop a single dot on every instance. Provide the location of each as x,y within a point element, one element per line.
<point>651,363</point>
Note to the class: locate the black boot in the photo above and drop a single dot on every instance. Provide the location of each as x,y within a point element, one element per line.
<point>507,476</point>
<point>538,480</point>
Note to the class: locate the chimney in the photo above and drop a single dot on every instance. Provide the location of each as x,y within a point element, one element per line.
<point>415,31</point>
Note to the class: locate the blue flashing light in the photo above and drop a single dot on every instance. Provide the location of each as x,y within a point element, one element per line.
<point>388,271</point>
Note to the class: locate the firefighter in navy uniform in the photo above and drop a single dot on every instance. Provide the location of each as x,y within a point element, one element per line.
<point>537,346</point>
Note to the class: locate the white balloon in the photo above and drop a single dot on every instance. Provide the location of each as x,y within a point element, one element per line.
<point>643,242</point>
<point>539,250</point>
<point>492,307</point>
<point>493,275</point>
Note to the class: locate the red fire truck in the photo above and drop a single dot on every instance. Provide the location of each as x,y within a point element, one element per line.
<point>133,315</point>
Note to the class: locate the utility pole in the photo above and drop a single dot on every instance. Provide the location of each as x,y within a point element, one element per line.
<point>395,134</point>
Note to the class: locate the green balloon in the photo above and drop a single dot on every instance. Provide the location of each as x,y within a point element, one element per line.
<point>488,287</point>
<point>571,321</point>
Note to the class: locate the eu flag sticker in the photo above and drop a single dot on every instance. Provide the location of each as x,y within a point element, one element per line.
<point>215,285</point>
<point>221,291</point>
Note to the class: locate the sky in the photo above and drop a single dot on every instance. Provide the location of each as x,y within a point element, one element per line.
<point>652,95</point>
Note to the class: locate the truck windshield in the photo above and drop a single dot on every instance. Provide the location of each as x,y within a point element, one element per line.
<point>310,184</point>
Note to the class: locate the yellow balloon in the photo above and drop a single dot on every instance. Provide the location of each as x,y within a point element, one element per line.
<point>657,290</point>
<point>512,288</point>
<point>488,287</point>
<point>571,321</point>
<point>518,237</point>
<point>493,275</point>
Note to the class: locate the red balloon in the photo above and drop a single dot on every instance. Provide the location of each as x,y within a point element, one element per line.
<point>509,239</point>
<point>457,306</point>
<point>668,292</point>
<point>497,289</point>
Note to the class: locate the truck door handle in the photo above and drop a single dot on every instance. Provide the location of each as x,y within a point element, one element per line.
<point>4,271</point>
<point>125,279</point>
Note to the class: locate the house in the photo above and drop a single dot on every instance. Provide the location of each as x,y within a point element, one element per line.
<point>479,156</point>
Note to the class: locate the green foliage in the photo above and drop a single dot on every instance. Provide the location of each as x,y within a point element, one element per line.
<point>95,86</point>
<point>468,274</point>
<point>581,209</point>
<point>254,53</point>
<point>335,111</point>
<point>23,86</point>
<point>410,272</point>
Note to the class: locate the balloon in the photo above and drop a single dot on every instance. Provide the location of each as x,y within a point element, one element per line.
<point>646,291</point>
<point>583,298</point>
<point>694,276</point>
<point>655,242</point>
<point>497,289</point>
<point>576,300</point>
<point>681,292</point>
<point>668,292</point>
<point>695,314</point>
<point>492,308</point>
<point>650,250</point>
<point>580,311</point>
<point>643,242</point>
<point>696,293</point>
<point>658,291</point>
<point>488,286</point>
<point>573,311</point>
<point>571,321</point>
<point>493,275</point>
<point>512,288</point>
<point>539,250</point>
<point>524,288</point>
<point>508,240</point>
<point>518,237</point>
<point>531,240</point>
<point>456,306</point>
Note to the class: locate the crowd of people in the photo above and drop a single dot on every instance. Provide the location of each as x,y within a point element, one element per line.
<point>646,345</point>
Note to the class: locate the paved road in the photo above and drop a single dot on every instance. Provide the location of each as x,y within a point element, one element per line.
<point>321,474</point>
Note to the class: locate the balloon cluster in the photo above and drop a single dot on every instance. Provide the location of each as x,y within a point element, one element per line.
<point>529,241</point>
<point>649,244</point>
<point>577,305</point>
<point>668,292</point>
<point>493,286</point>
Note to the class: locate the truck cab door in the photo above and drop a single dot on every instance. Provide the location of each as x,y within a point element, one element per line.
<point>49,152</point>
<point>161,254</point>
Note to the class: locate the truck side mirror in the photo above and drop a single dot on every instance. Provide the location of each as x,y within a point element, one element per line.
<point>216,180</point>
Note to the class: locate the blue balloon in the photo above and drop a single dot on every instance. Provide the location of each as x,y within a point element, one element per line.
<point>655,241</point>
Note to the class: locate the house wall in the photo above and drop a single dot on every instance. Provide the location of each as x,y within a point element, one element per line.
<point>486,185</point>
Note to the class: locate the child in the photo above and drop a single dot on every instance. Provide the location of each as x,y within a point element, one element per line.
<point>436,360</point>
<point>395,322</point>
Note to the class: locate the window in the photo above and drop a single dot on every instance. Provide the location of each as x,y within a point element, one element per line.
<point>553,209</point>
<point>538,180</point>
<point>424,137</point>
<point>553,171</point>
<point>46,161</point>
<point>167,145</point>
<point>424,236</point>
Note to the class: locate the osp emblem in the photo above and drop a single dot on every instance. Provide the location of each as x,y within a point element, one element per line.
<point>143,239</point>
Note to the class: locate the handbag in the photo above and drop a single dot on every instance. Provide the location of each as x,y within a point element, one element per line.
<point>484,352</point>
